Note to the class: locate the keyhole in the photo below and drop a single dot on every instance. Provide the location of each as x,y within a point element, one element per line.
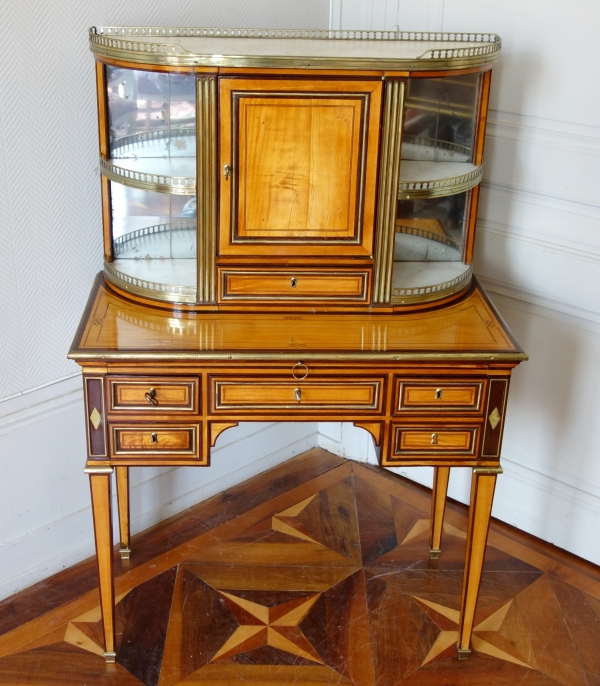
<point>298,394</point>
<point>154,438</point>
<point>293,282</point>
<point>434,439</point>
<point>438,394</point>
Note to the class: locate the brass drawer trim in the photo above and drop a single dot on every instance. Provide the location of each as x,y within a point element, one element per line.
<point>433,441</point>
<point>159,389</point>
<point>143,433</point>
<point>445,396</point>
<point>297,396</point>
<point>293,284</point>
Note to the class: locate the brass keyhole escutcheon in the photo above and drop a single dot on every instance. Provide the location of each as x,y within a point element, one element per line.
<point>434,439</point>
<point>293,282</point>
<point>438,394</point>
<point>298,394</point>
<point>154,437</point>
<point>227,171</point>
<point>151,397</point>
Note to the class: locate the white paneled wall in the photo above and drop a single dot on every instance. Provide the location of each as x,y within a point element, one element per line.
<point>50,250</point>
<point>538,250</point>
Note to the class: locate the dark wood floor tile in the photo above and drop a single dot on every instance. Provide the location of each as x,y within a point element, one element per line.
<point>376,525</point>
<point>61,664</point>
<point>478,670</point>
<point>536,627</point>
<point>583,625</point>
<point>401,633</point>
<point>277,577</point>
<point>264,675</point>
<point>338,628</point>
<point>146,610</point>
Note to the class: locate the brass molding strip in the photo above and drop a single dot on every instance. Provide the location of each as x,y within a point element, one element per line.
<point>97,469</point>
<point>120,244</point>
<point>161,183</point>
<point>132,44</point>
<point>488,471</point>
<point>149,289</point>
<point>206,147</point>
<point>391,148</point>
<point>421,294</point>
<point>440,187</point>
<point>339,357</point>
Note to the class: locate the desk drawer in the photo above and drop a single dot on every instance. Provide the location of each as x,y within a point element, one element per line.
<point>154,441</point>
<point>297,396</point>
<point>432,396</point>
<point>153,394</point>
<point>432,441</point>
<point>294,285</point>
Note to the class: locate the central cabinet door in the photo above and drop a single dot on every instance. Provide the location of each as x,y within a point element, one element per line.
<point>298,164</point>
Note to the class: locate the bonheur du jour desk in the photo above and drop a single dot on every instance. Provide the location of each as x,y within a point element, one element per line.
<point>160,387</point>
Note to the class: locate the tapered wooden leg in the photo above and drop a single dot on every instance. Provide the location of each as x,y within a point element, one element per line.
<point>123,501</point>
<point>441,475</point>
<point>482,495</point>
<point>100,485</point>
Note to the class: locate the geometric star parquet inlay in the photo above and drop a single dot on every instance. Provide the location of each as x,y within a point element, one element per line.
<point>327,582</point>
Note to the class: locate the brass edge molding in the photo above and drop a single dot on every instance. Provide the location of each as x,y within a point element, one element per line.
<point>429,235</point>
<point>340,357</point>
<point>488,471</point>
<point>132,44</point>
<point>149,289</point>
<point>408,296</point>
<point>161,183</point>
<point>440,187</point>
<point>389,170</point>
<point>91,468</point>
<point>119,244</point>
<point>206,147</point>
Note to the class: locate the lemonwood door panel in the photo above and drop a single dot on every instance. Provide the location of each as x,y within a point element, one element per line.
<point>432,441</point>
<point>157,394</point>
<point>433,396</point>
<point>158,441</point>
<point>301,396</point>
<point>298,166</point>
<point>294,285</point>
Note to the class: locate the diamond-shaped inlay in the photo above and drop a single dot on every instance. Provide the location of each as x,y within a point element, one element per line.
<point>95,418</point>
<point>494,418</point>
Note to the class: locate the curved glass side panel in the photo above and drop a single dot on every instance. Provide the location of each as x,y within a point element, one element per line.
<point>440,118</point>
<point>429,247</point>
<point>154,243</point>
<point>152,115</point>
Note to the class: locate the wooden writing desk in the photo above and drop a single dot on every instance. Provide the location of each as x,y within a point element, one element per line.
<point>430,387</point>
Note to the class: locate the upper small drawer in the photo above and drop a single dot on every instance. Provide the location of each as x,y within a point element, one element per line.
<point>431,396</point>
<point>153,394</point>
<point>294,285</point>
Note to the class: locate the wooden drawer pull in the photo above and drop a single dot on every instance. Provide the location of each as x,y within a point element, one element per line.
<point>151,396</point>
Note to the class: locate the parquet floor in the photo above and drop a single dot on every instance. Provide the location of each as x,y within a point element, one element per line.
<point>314,573</point>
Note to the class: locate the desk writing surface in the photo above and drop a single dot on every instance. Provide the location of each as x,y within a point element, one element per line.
<point>114,328</point>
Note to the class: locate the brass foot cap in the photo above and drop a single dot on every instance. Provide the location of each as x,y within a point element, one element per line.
<point>434,553</point>
<point>125,553</point>
<point>463,653</point>
<point>110,657</point>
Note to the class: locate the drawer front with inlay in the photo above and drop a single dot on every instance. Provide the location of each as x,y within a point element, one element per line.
<point>426,396</point>
<point>435,441</point>
<point>292,285</point>
<point>153,394</point>
<point>157,441</point>
<point>300,396</point>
